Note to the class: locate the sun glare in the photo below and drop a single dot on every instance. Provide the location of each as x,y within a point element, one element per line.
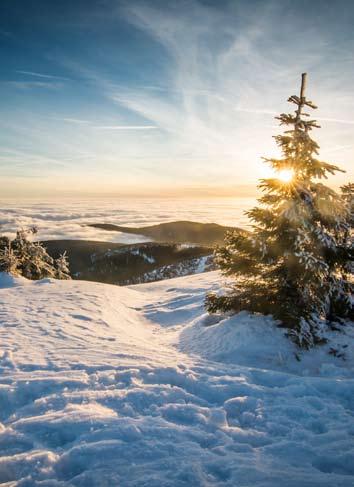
<point>285,175</point>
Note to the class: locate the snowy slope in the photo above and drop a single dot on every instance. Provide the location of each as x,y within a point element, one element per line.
<point>106,386</point>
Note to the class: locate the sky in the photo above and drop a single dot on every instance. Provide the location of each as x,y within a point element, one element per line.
<point>166,97</point>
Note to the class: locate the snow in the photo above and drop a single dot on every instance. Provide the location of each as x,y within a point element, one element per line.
<point>103,385</point>
<point>187,267</point>
<point>148,258</point>
<point>6,280</point>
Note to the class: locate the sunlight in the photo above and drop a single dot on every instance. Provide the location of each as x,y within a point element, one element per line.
<point>285,175</point>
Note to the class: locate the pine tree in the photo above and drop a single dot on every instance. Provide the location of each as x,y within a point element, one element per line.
<point>348,196</point>
<point>62,267</point>
<point>21,256</point>
<point>8,259</point>
<point>294,264</point>
<point>345,255</point>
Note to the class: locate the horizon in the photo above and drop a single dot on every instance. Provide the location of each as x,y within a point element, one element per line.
<point>168,192</point>
<point>175,99</point>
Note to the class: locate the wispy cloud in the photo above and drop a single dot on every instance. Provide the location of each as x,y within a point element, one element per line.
<point>228,66</point>
<point>205,117</point>
<point>335,120</point>
<point>28,164</point>
<point>211,79</point>
<point>79,121</point>
<point>42,75</point>
<point>25,85</point>
<point>75,120</point>
<point>261,111</point>
<point>126,127</point>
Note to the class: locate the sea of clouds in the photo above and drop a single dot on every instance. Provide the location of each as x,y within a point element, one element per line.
<point>68,219</point>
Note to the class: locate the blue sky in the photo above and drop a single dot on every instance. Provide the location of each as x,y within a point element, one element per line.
<point>165,97</point>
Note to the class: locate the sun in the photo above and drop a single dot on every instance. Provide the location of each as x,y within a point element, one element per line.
<point>285,175</point>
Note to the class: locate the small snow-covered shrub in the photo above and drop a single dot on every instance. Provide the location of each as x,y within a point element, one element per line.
<point>21,257</point>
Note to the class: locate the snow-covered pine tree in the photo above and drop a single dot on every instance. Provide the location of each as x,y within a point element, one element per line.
<point>8,259</point>
<point>345,255</point>
<point>348,196</point>
<point>294,264</point>
<point>21,256</point>
<point>62,270</point>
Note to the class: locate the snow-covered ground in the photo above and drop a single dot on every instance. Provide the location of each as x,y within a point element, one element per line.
<point>106,386</point>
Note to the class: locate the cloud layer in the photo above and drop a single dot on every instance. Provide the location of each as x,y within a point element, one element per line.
<point>68,219</point>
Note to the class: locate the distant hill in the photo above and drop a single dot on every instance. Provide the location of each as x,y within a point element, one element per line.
<point>114,263</point>
<point>176,249</point>
<point>177,232</point>
<point>79,251</point>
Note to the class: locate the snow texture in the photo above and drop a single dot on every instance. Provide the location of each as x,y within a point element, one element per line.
<point>105,386</point>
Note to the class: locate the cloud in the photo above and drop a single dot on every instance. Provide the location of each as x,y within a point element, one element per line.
<point>335,120</point>
<point>41,75</point>
<point>228,68</point>
<point>202,113</point>
<point>211,78</point>
<point>256,111</point>
<point>28,164</point>
<point>126,127</point>
<point>68,218</point>
<point>25,85</point>
<point>75,120</point>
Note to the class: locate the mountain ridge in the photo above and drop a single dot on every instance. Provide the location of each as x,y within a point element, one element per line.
<point>180,231</point>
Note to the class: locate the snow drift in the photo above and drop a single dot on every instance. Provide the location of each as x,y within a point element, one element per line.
<point>103,385</point>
